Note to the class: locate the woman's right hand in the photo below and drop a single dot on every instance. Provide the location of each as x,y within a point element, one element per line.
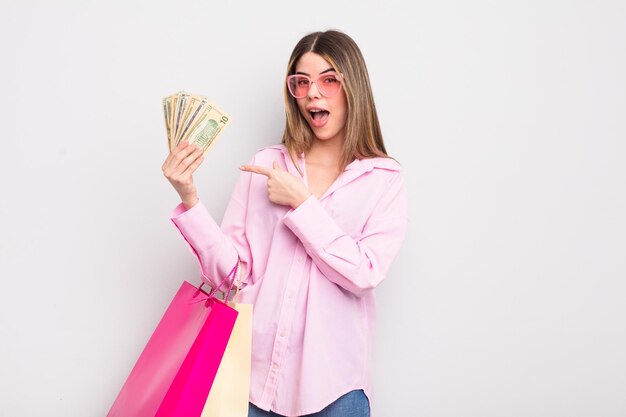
<point>178,168</point>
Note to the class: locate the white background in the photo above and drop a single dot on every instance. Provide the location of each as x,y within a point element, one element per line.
<point>507,298</point>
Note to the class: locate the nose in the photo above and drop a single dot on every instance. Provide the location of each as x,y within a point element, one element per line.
<point>313,93</point>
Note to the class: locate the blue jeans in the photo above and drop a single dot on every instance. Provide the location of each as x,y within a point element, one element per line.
<point>352,404</point>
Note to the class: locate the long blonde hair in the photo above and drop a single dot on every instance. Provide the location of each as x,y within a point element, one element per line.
<point>363,137</point>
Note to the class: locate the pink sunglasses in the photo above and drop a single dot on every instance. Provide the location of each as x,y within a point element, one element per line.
<point>328,85</point>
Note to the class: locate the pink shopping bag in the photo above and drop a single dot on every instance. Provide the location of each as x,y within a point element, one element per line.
<point>175,371</point>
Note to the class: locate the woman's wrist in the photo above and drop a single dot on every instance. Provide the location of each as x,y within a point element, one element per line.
<point>301,198</point>
<point>189,202</point>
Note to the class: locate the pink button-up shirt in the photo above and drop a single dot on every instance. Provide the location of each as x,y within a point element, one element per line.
<point>309,272</point>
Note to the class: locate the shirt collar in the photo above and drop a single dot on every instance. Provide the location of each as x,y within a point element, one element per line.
<point>368,164</point>
<point>358,165</point>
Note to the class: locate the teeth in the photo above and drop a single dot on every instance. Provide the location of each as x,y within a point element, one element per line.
<point>315,110</point>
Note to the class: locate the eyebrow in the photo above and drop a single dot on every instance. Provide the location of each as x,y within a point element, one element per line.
<point>323,72</point>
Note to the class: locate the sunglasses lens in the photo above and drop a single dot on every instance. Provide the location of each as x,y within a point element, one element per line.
<point>329,85</point>
<point>298,86</point>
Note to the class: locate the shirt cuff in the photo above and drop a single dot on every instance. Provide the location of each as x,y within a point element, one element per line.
<point>196,225</point>
<point>312,224</point>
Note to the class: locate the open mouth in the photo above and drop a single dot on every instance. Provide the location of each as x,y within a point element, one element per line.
<point>319,117</point>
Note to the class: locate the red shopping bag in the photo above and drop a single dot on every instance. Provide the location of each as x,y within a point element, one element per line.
<point>175,371</point>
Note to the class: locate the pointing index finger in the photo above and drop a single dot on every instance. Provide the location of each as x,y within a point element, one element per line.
<point>256,169</point>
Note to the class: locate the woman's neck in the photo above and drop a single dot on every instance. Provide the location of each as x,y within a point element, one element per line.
<point>325,152</point>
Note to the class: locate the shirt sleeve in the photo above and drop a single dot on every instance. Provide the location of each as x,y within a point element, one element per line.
<point>217,248</point>
<point>358,265</point>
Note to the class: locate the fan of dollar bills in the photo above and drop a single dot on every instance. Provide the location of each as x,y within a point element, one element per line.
<point>194,119</point>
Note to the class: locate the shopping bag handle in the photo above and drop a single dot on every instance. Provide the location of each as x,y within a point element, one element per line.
<point>232,273</point>
<point>236,283</point>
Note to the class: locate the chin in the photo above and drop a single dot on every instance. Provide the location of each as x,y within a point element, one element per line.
<point>324,137</point>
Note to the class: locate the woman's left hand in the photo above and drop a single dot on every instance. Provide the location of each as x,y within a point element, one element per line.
<point>282,187</point>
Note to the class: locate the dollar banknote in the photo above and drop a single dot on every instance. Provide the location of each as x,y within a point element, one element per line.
<point>192,118</point>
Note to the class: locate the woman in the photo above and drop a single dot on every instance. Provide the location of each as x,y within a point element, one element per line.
<point>316,222</point>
